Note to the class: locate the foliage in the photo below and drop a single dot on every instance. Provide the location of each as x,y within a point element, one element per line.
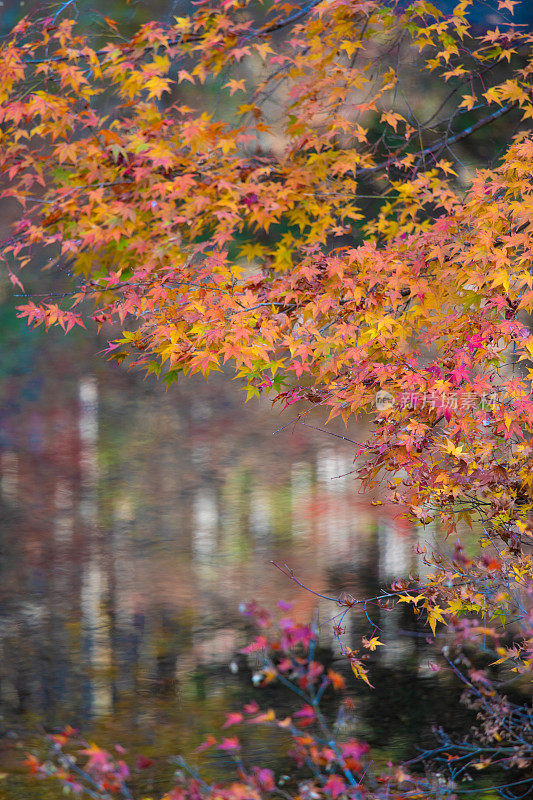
<point>322,234</point>
<point>324,763</point>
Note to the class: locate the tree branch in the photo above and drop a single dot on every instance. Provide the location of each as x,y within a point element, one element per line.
<point>446,142</point>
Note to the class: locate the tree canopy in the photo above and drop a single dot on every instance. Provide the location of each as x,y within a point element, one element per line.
<point>333,197</point>
<point>269,189</point>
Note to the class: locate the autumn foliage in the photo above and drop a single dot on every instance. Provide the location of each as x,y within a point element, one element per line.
<point>268,187</point>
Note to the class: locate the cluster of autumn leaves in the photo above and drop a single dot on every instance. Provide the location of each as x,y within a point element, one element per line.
<point>319,228</point>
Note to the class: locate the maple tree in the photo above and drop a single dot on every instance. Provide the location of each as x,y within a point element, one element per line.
<point>321,234</point>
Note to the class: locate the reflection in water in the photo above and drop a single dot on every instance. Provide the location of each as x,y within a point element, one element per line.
<point>94,585</point>
<point>134,521</point>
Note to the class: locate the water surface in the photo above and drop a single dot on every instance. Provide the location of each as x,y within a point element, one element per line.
<point>135,521</point>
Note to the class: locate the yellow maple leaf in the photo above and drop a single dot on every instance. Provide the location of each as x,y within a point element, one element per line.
<point>360,672</point>
<point>372,643</point>
<point>434,616</point>
<point>468,101</point>
<point>392,118</point>
<point>408,598</point>
<point>156,86</point>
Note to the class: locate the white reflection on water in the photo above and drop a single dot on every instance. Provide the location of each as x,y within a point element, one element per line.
<point>9,482</point>
<point>205,514</point>
<point>260,521</point>
<point>94,584</point>
<point>395,552</point>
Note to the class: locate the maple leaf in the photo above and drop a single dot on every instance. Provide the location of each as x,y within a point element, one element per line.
<point>372,644</point>
<point>183,75</point>
<point>507,5</point>
<point>335,786</point>
<point>434,616</point>
<point>236,85</point>
<point>157,85</point>
<point>230,744</point>
<point>392,118</point>
<point>238,53</point>
<point>357,667</point>
<point>98,758</point>
<point>210,741</point>
<point>265,779</point>
<point>305,715</point>
<point>233,718</point>
<point>337,680</point>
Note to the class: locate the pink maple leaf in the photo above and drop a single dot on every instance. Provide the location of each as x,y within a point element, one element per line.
<point>232,719</point>
<point>229,744</point>
<point>335,786</point>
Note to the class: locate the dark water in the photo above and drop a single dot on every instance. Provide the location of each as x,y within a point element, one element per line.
<point>134,521</point>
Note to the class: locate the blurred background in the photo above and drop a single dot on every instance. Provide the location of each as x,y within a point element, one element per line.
<point>134,521</point>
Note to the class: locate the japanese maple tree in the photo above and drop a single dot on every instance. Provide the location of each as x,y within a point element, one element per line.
<point>268,186</point>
